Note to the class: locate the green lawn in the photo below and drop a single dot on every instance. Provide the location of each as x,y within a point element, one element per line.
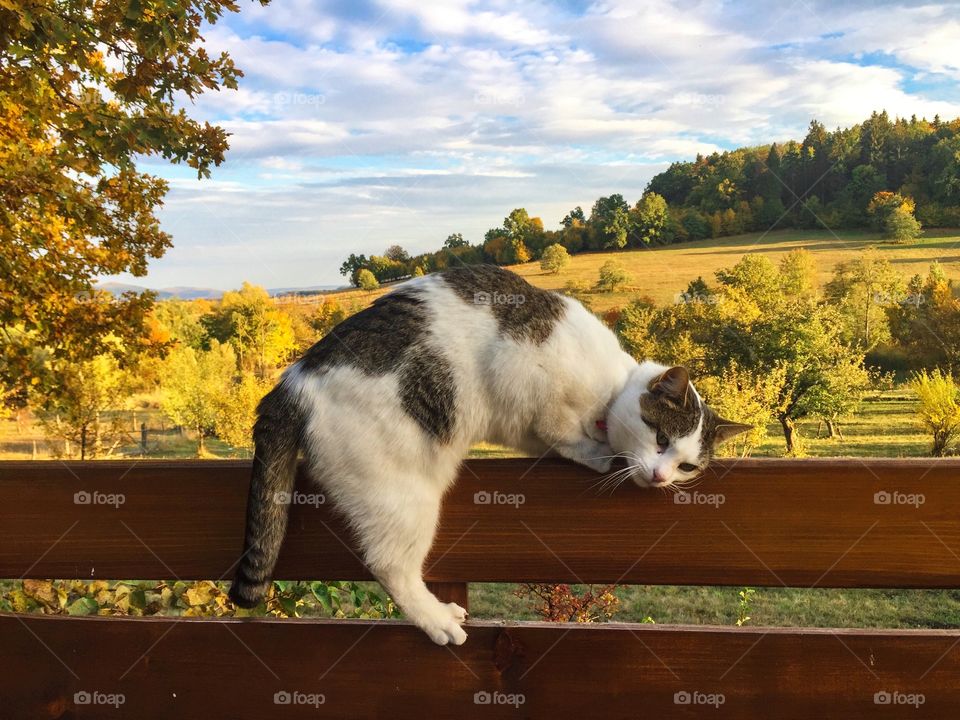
<point>781,607</point>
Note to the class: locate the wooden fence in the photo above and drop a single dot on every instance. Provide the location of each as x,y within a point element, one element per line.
<point>810,523</point>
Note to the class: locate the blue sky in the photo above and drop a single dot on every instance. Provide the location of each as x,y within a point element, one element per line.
<point>361,124</point>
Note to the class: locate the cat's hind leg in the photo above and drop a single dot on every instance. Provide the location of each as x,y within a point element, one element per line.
<point>396,529</point>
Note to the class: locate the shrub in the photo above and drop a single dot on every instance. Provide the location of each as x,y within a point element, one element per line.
<point>561,603</point>
<point>613,277</point>
<point>901,226</point>
<point>939,407</point>
<point>366,280</point>
<point>555,258</point>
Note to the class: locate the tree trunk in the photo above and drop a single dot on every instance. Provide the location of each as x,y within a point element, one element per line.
<point>83,443</point>
<point>831,429</point>
<point>200,447</point>
<point>786,422</point>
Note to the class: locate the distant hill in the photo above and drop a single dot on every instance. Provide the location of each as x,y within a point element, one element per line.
<point>182,293</point>
<point>306,290</point>
<point>198,293</point>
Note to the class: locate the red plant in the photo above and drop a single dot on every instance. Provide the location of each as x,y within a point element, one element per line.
<point>559,603</point>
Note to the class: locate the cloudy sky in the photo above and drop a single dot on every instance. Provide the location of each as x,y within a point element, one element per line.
<point>361,124</point>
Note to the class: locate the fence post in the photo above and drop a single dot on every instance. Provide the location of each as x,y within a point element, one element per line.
<point>456,592</point>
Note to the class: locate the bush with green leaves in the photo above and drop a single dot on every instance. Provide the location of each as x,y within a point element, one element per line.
<point>554,259</point>
<point>202,598</point>
<point>613,277</point>
<point>938,408</point>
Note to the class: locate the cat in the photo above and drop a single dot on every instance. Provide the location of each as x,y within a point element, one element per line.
<point>385,407</point>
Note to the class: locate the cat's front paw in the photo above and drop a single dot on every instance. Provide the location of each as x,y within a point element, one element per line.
<point>601,465</point>
<point>445,628</point>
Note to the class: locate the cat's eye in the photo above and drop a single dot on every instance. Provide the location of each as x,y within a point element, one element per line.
<point>662,440</point>
<point>687,467</point>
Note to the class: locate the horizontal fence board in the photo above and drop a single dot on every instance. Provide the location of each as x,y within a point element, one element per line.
<point>234,669</point>
<point>749,522</point>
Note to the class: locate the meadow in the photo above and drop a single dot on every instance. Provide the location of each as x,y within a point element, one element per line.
<point>662,272</point>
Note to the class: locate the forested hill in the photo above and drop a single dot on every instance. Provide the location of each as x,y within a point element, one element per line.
<point>896,176</point>
<point>828,179</point>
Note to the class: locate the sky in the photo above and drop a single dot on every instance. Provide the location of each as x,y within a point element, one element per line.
<point>360,124</point>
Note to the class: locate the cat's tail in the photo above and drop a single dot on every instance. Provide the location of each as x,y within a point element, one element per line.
<point>276,435</point>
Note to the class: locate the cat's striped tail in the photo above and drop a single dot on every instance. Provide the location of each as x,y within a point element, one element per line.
<point>276,435</point>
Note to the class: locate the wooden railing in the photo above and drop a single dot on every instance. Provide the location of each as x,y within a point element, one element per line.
<point>809,523</point>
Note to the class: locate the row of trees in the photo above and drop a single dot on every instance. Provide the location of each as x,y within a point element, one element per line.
<point>891,176</point>
<point>206,364</point>
<point>766,343</point>
<point>770,345</point>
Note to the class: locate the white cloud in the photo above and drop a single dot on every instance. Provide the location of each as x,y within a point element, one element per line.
<point>363,123</point>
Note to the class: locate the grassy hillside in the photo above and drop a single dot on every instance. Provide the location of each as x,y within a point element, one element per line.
<point>663,272</point>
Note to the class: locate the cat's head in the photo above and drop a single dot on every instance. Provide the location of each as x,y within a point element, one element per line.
<point>662,428</point>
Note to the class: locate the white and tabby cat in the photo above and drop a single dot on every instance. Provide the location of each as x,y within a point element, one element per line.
<point>385,407</point>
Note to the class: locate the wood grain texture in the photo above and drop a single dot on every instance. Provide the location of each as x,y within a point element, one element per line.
<point>754,522</point>
<point>234,669</point>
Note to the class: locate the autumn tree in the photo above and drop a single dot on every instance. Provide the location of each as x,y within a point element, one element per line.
<point>366,280</point>
<point>260,333</point>
<point>74,401</point>
<point>86,89</point>
<point>862,289</point>
<point>194,384</point>
<point>649,219</point>
<point>938,407</point>
<point>237,411</point>
<point>455,240</point>
<point>893,215</point>
<point>927,320</point>
<point>613,277</point>
<point>555,258</point>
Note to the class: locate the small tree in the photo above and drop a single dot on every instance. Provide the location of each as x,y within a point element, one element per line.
<point>902,226</point>
<point>892,213</point>
<point>613,277</point>
<point>238,411</point>
<point>939,407</point>
<point>555,258</point>
<point>744,397</point>
<point>366,280</point>
<point>194,385</point>
<point>74,408</point>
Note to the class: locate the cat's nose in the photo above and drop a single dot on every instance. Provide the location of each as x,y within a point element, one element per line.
<point>658,477</point>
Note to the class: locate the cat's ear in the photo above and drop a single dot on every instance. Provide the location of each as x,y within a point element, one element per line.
<point>673,384</point>
<point>727,429</point>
